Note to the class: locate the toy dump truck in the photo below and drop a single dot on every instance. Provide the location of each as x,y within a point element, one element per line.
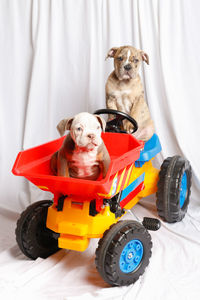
<point>84,209</point>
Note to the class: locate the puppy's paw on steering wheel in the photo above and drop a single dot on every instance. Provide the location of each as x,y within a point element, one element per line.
<point>128,127</point>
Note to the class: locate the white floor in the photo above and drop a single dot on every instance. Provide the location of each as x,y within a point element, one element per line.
<point>173,272</point>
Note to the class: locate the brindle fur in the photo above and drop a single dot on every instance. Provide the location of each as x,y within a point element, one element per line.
<point>124,90</point>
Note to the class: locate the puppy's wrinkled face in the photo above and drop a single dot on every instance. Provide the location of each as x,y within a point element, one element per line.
<point>127,61</point>
<point>86,131</point>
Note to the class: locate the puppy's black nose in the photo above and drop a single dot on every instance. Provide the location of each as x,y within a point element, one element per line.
<point>127,67</point>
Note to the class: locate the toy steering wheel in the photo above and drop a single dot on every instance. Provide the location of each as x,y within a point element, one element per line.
<point>116,124</point>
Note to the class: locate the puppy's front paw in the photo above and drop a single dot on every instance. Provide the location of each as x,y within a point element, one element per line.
<point>111,117</point>
<point>128,127</point>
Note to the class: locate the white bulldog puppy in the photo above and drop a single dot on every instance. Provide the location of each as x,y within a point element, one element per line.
<point>83,154</point>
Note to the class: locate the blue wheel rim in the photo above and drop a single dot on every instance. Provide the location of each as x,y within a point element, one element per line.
<point>183,189</point>
<point>131,256</point>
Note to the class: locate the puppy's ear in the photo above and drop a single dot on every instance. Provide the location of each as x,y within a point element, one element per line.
<point>112,52</point>
<point>145,57</point>
<point>64,125</point>
<point>102,122</point>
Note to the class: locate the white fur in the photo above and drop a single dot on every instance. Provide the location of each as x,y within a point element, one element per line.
<point>127,105</point>
<point>121,93</point>
<point>90,126</point>
<point>84,161</point>
<point>123,103</point>
<point>128,55</point>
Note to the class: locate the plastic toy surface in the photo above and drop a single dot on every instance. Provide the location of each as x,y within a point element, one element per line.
<point>84,209</point>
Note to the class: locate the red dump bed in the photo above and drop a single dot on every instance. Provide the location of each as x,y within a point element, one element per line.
<point>34,164</point>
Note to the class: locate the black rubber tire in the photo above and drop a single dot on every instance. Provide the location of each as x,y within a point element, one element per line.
<point>169,189</point>
<point>111,246</point>
<point>33,238</point>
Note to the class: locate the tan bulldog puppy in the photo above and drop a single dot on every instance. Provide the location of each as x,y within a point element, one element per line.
<point>124,90</point>
<point>83,154</point>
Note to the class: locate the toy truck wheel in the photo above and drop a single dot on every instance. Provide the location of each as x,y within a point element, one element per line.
<point>174,188</point>
<point>33,238</point>
<point>123,253</point>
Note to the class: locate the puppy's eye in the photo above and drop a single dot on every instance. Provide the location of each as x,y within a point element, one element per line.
<point>120,58</point>
<point>79,129</point>
<point>135,60</point>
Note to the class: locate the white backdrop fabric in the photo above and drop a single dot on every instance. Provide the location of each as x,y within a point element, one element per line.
<point>52,66</point>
